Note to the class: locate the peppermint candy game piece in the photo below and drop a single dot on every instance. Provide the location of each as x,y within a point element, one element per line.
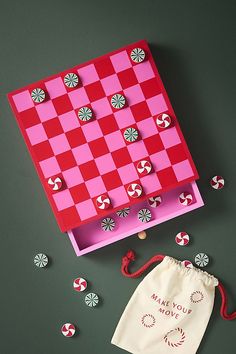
<point>142,235</point>
<point>68,330</point>
<point>131,134</point>
<point>144,215</point>
<point>103,202</point>
<point>137,55</point>
<point>118,101</point>
<point>108,224</point>
<point>185,198</point>
<point>71,80</point>
<point>38,95</point>
<point>144,167</point>
<point>182,238</point>
<point>202,259</point>
<point>122,213</point>
<point>217,182</point>
<point>187,264</point>
<point>41,260</point>
<point>163,120</point>
<point>55,183</point>
<point>80,284</point>
<point>134,190</point>
<point>85,114</point>
<point>154,202</point>
<point>91,300</point>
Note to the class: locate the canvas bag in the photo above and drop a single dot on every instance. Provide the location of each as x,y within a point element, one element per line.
<point>169,310</point>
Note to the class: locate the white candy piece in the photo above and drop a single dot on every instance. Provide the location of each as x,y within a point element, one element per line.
<point>137,55</point>
<point>202,259</point>
<point>41,260</point>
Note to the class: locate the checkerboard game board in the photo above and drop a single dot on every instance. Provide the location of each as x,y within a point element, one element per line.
<point>93,158</point>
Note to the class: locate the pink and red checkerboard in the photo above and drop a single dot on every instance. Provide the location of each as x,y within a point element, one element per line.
<point>92,157</point>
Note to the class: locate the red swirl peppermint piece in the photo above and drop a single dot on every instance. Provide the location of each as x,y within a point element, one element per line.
<point>55,183</point>
<point>217,182</point>
<point>163,120</point>
<point>182,238</point>
<point>134,190</point>
<point>103,202</point>
<point>80,284</point>
<point>187,264</point>
<point>68,330</point>
<point>144,167</point>
<point>186,198</point>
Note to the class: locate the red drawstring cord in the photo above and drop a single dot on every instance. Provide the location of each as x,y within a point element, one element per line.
<point>130,256</point>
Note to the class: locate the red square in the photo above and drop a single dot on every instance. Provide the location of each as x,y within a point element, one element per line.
<point>176,154</point>
<point>121,157</point>
<point>140,111</point>
<point>43,151</point>
<point>79,193</point>
<point>66,160</point>
<point>29,118</point>
<point>89,170</point>
<point>75,137</point>
<point>62,104</point>
<point>127,78</point>
<point>95,91</point>
<point>108,124</point>
<point>69,217</point>
<point>150,88</point>
<point>104,68</point>
<point>167,177</point>
<point>112,180</point>
<point>53,127</point>
<point>98,147</point>
<point>153,144</point>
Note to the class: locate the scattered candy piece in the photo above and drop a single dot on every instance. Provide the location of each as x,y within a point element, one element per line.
<point>182,238</point>
<point>131,134</point>
<point>137,55</point>
<point>55,183</point>
<point>202,259</point>
<point>91,299</point>
<point>85,114</point>
<point>144,215</point>
<point>122,213</point>
<point>154,202</point>
<point>217,182</point>
<point>134,190</point>
<point>41,260</point>
<point>187,264</point>
<point>118,101</point>
<point>38,95</point>
<point>103,202</point>
<point>185,198</point>
<point>80,284</point>
<point>144,167</point>
<point>163,120</point>
<point>108,224</point>
<point>71,80</point>
<point>142,235</point>
<point>68,330</point>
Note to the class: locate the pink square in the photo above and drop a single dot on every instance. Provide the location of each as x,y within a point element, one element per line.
<point>105,164</point>
<point>144,71</point>
<point>134,94</point>
<point>88,74</point>
<point>118,196</point>
<point>115,141</point>
<point>150,183</point>
<point>82,154</point>
<point>120,61</point>
<point>95,186</point>
<point>147,127</point>
<point>50,167</point>
<point>23,101</point>
<point>111,84</point>
<point>55,87</point>
<point>183,170</point>
<point>124,118</point>
<point>72,177</point>
<point>101,108</point>
<point>170,137</point>
<point>92,130</point>
<point>78,98</point>
<point>86,209</point>
<point>36,134</point>
<point>160,160</point>
<point>137,150</point>
<point>157,104</point>
<point>59,144</point>
<point>128,173</point>
<point>69,121</point>
<point>63,199</point>
<point>46,111</point>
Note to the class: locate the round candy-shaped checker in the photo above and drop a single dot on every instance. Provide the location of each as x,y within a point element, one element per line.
<point>91,300</point>
<point>131,134</point>
<point>123,213</point>
<point>163,120</point>
<point>134,190</point>
<point>144,167</point>
<point>144,215</point>
<point>68,330</point>
<point>103,202</point>
<point>202,259</point>
<point>38,95</point>
<point>41,260</point>
<point>85,114</point>
<point>154,202</point>
<point>55,183</point>
<point>186,198</point>
<point>80,284</point>
<point>217,182</point>
<point>182,238</point>
<point>187,264</point>
<point>108,224</point>
<point>71,80</point>
<point>118,101</point>
<point>137,55</point>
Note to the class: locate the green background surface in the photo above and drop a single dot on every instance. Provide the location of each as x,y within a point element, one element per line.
<point>193,43</point>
